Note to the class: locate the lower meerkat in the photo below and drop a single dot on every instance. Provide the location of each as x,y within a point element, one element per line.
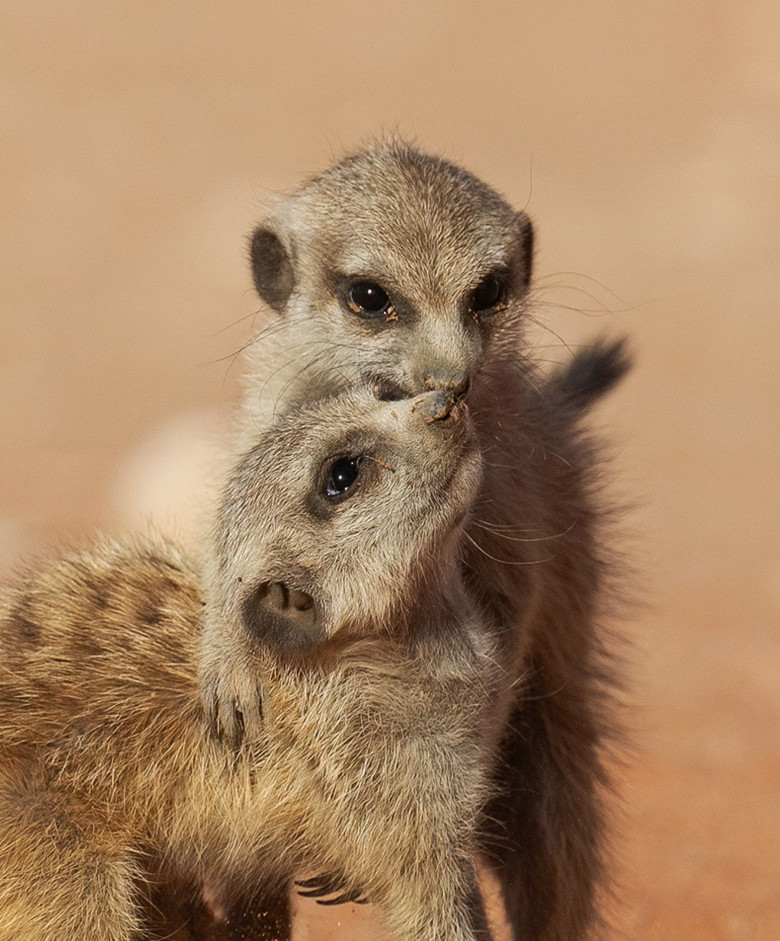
<point>405,271</point>
<point>337,573</point>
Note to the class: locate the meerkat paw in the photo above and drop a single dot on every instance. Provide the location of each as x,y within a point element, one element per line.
<point>233,707</point>
<point>328,890</point>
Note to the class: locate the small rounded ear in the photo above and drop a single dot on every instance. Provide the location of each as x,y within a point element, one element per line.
<point>524,252</point>
<point>272,268</point>
<point>283,618</point>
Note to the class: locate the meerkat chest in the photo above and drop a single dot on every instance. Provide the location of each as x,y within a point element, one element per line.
<point>347,719</point>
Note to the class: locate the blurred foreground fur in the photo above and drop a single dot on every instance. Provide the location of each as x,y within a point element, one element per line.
<point>377,676</point>
<point>401,270</point>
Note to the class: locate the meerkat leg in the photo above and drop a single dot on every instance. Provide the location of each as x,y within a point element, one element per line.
<point>269,919</point>
<point>266,917</point>
<point>442,906</point>
<point>547,832</point>
<point>60,878</point>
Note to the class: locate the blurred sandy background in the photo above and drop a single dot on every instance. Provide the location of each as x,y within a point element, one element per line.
<point>139,143</point>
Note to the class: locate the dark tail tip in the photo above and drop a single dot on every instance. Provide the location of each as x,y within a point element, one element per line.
<point>592,372</point>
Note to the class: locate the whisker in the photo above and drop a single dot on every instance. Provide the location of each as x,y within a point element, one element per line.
<point>480,524</point>
<point>506,561</point>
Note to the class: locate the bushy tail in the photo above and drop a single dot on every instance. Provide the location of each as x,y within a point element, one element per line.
<point>591,373</point>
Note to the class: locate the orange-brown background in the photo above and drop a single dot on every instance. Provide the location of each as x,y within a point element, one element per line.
<point>140,140</point>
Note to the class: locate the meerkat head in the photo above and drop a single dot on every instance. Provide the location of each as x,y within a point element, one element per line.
<point>343,513</point>
<point>394,268</point>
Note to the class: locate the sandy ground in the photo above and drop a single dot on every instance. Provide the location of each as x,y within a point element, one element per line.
<point>140,141</point>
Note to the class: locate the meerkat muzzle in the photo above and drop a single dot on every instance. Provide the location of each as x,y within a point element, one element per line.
<point>437,406</point>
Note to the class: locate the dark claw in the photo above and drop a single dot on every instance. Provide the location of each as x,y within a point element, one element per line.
<point>339,900</point>
<point>355,898</point>
<point>313,883</point>
<point>312,893</point>
<point>318,886</point>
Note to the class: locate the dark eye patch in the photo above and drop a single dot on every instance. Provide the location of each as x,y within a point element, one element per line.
<point>368,298</point>
<point>342,475</point>
<point>489,293</point>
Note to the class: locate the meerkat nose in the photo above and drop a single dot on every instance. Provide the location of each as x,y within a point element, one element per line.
<point>435,406</point>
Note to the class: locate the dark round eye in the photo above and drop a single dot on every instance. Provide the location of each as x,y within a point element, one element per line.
<point>368,298</point>
<point>342,474</point>
<point>488,293</point>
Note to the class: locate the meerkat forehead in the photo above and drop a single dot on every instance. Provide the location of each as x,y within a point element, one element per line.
<point>395,208</point>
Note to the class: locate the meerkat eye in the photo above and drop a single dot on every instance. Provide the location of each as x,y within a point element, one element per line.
<point>342,475</point>
<point>489,293</point>
<point>368,298</point>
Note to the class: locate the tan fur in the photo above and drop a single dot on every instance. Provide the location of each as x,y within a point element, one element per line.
<point>428,233</point>
<point>371,761</point>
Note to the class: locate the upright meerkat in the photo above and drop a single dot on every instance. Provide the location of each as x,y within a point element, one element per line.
<point>402,270</point>
<point>337,577</point>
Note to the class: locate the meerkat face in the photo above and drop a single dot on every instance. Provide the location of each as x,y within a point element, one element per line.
<point>342,512</point>
<point>393,268</point>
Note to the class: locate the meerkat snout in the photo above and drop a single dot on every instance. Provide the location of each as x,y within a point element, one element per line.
<point>438,405</point>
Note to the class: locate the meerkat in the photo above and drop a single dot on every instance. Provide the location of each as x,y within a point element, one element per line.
<point>404,271</point>
<point>337,579</point>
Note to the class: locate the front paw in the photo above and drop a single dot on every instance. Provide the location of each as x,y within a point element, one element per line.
<point>233,708</point>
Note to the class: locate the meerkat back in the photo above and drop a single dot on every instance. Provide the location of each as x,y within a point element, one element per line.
<point>97,651</point>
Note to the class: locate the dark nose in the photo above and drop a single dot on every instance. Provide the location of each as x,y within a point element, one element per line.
<point>435,406</point>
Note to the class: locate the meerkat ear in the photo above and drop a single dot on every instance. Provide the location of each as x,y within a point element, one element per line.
<point>282,617</point>
<point>272,268</point>
<point>524,254</point>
